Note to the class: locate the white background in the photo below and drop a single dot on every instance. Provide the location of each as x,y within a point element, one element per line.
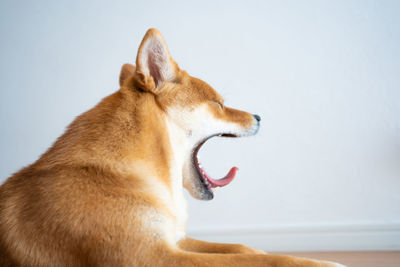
<point>323,75</point>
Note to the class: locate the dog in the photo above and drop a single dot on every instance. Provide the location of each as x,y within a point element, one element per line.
<point>109,192</point>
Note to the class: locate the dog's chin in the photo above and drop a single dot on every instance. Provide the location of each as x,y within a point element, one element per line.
<point>195,185</point>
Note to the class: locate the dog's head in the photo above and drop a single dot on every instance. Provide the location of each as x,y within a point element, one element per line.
<point>194,111</point>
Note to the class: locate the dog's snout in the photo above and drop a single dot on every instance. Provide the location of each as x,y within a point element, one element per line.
<point>258,118</point>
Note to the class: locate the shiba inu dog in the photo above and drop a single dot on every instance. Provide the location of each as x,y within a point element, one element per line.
<point>109,192</point>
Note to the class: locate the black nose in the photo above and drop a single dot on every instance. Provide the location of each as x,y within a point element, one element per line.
<point>258,118</point>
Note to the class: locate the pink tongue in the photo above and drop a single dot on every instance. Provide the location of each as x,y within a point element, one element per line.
<point>223,181</point>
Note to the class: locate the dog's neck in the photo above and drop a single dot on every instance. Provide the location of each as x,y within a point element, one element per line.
<point>128,135</point>
<point>178,146</point>
<point>169,138</point>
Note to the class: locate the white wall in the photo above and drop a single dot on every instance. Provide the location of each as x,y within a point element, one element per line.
<point>324,76</point>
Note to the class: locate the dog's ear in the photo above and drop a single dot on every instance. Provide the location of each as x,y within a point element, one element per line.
<point>154,65</point>
<point>127,71</point>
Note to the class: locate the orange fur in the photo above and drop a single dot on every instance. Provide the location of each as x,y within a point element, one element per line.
<point>103,194</point>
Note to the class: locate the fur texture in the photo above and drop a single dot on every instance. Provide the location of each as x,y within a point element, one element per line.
<point>109,191</point>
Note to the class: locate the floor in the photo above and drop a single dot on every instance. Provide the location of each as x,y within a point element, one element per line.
<point>356,259</point>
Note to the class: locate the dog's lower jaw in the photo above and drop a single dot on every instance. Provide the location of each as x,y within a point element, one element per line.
<point>192,182</point>
<point>198,190</point>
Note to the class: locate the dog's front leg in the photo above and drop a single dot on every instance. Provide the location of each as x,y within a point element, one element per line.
<point>193,245</point>
<point>195,259</point>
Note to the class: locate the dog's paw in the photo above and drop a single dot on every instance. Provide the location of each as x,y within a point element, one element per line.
<point>303,262</point>
<point>333,264</point>
<point>259,251</point>
<point>248,250</point>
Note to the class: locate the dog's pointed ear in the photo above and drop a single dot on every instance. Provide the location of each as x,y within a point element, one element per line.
<point>127,71</point>
<point>154,65</point>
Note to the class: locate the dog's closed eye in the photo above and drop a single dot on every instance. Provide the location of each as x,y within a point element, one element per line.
<point>219,103</point>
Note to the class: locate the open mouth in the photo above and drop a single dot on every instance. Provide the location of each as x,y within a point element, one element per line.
<point>206,180</point>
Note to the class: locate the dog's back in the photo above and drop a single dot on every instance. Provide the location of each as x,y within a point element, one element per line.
<point>71,208</point>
